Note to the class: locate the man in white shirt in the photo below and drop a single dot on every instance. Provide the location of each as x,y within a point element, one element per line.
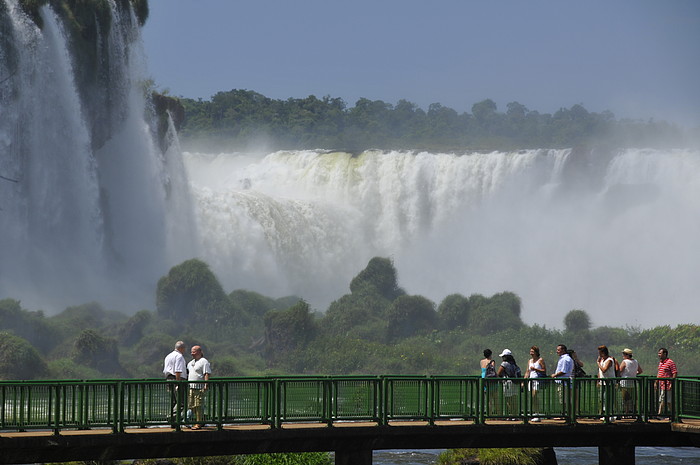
<point>174,365</point>
<point>564,369</point>
<point>198,369</point>
<point>174,368</point>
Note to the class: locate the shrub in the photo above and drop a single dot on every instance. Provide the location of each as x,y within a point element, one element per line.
<point>19,359</point>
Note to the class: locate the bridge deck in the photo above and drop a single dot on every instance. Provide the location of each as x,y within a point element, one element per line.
<point>125,419</point>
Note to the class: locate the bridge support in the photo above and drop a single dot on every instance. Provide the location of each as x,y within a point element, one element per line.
<point>353,457</point>
<point>616,455</point>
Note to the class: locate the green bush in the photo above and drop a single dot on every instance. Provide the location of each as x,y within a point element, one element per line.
<point>454,311</point>
<point>410,315</point>
<point>191,295</point>
<point>19,359</point>
<point>379,273</point>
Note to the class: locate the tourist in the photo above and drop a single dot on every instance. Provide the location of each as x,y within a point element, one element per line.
<point>606,370</point>
<point>488,370</point>
<point>509,369</point>
<point>198,369</point>
<point>535,369</point>
<point>488,365</point>
<point>629,368</point>
<point>174,368</point>
<point>563,371</point>
<point>667,369</point>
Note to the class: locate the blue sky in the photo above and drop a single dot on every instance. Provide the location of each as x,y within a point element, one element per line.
<point>638,59</point>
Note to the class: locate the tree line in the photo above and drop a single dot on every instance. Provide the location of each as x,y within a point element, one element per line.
<point>376,328</point>
<point>241,118</point>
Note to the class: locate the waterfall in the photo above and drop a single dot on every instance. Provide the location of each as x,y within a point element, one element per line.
<point>86,211</point>
<point>306,222</point>
<point>93,208</point>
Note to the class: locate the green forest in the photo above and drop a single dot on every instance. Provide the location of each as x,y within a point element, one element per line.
<point>376,328</point>
<point>244,119</point>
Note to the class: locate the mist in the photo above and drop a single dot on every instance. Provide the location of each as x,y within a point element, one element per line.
<point>608,233</point>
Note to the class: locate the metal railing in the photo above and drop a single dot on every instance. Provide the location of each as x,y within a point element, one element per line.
<point>118,404</point>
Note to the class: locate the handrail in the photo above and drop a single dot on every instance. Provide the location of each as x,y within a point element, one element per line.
<point>118,404</point>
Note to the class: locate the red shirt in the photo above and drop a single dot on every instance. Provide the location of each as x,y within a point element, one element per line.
<point>667,369</point>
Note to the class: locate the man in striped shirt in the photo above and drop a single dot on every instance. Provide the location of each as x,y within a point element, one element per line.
<point>667,369</point>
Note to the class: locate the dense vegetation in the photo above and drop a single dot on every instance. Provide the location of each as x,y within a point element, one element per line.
<point>376,328</point>
<point>242,118</point>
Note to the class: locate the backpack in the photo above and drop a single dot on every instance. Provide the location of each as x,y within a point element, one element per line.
<point>491,369</point>
<point>514,371</point>
<point>578,371</point>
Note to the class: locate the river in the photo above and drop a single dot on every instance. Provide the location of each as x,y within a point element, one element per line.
<point>565,456</point>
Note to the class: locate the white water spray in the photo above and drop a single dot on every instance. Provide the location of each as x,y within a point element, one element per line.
<point>88,215</point>
<point>621,247</point>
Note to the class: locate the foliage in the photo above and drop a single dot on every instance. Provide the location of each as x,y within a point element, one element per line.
<point>577,321</point>
<point>379,273</point>
<point>19,359</point>
<point>362,332</point>
<point>132,330</point>
<point>304,458</point>
<point>409,315</point>
<point>239,118</point>
<point>288,330</point>
<point>191,293</point>
<point>490,317</point>
<point>505,456</point>
<point>453,311</point>
<point>72,320</point>
<point>67,368</point>
<point>98,352</point>
<point>360,314</point>
<point>31,326</point>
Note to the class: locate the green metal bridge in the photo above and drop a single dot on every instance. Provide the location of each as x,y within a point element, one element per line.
<point>351,415</point>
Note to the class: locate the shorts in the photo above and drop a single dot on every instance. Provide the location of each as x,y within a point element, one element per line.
<point>665,396</point>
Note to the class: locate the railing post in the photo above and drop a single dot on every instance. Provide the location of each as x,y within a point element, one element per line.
<point>675,405</point>
<point>482,402</point>
<point>430,399</point>
<point>57,407</point>
<point>121,406</point>
<point>570,388</point>
<point>276,403</point>
<point>220,405</point>
<point>327,394</point>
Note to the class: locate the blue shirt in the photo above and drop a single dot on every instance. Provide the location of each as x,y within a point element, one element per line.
<point>565,365</point>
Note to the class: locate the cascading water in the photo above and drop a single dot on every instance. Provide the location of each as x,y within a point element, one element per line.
<point>617,242</point>
<point>85,210</point>
<point>92,208</point>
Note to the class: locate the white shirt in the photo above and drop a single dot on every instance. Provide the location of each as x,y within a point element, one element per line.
<point>174,363</point>
<point>196,370</point>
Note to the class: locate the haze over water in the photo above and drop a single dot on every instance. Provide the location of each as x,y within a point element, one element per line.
<point>617,240</point>
<point>94,209</point>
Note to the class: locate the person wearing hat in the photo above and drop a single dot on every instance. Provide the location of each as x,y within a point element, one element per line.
<point>509,369</point>
<point>629,368</point>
